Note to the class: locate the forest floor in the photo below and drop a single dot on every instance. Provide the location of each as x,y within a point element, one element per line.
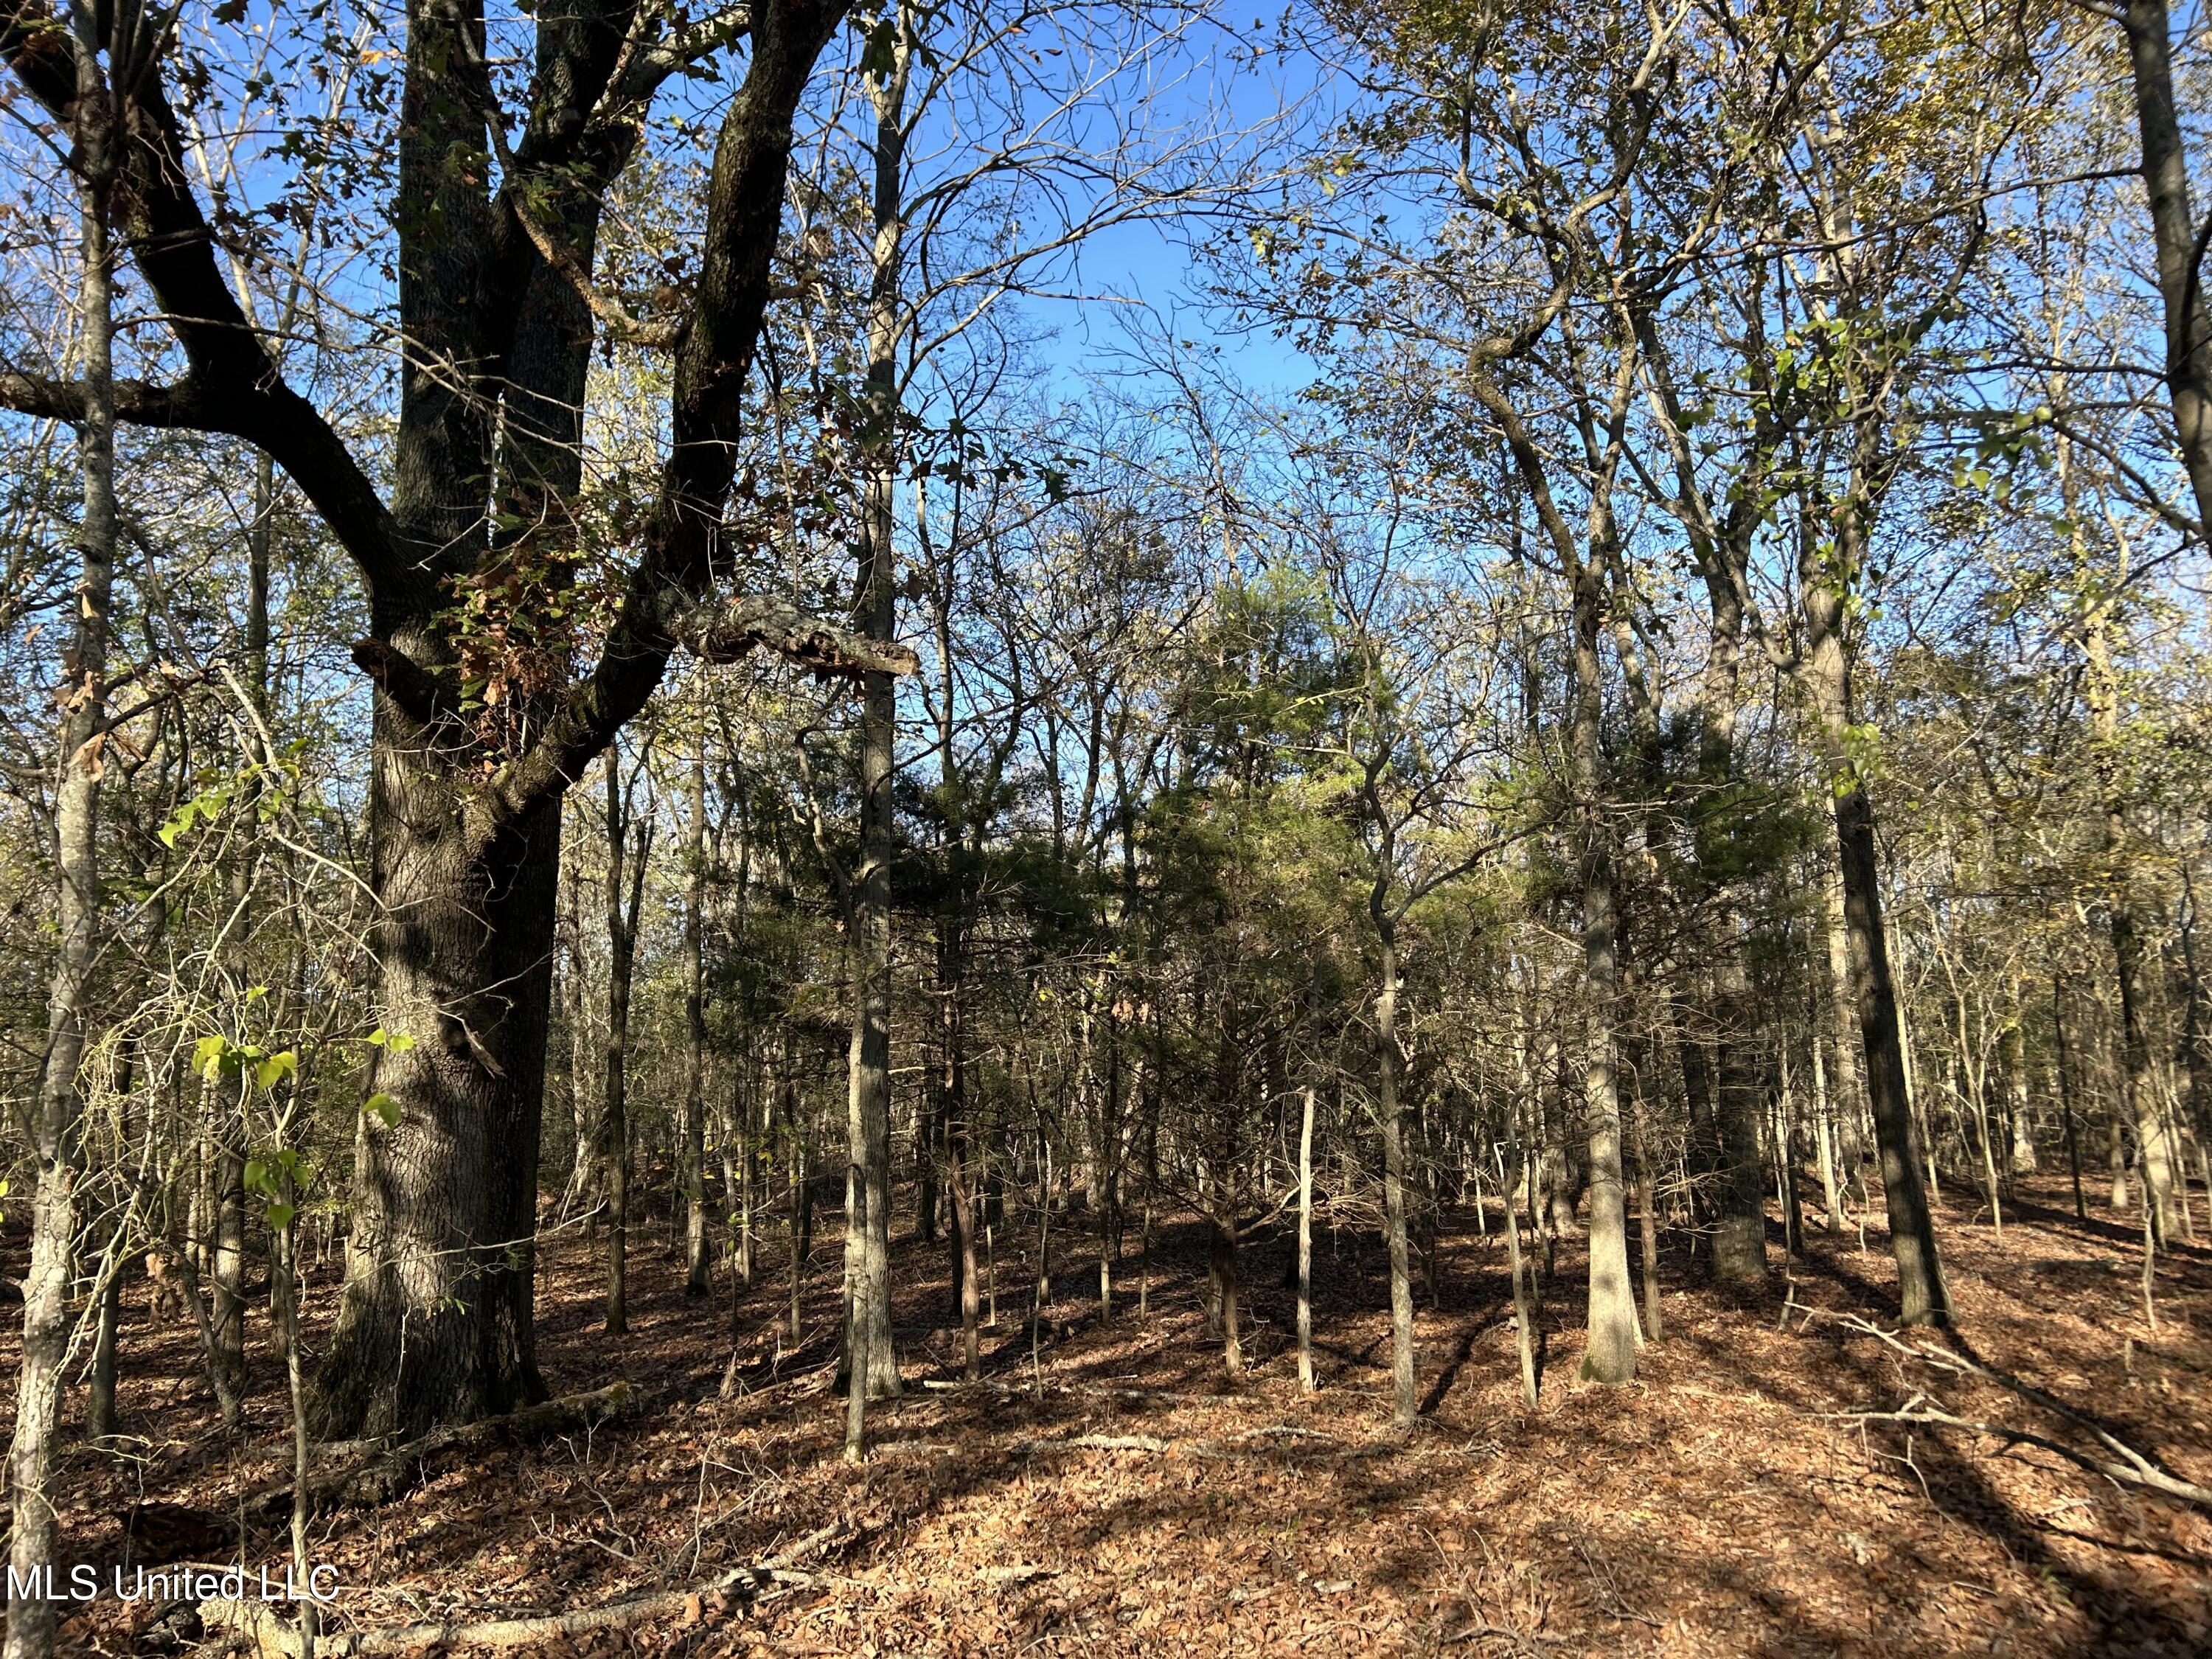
<point>1717,1507</point>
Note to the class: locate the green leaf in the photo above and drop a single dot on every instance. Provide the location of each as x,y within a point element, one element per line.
<point>280,1215</point>
<point>276,1068</point>
<point>210,1055</point>
<point>257,1175</point>
<point>384,1106</point>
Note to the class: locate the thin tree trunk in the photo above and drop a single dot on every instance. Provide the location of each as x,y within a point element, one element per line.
<point>1307,1382</point>
<point>960,1179</point>
<point>1221,1271</point>
<point>2196,1039</point>
<point>1740,1229</point>
<point>1391,1121</point>
<point>752,1126</point>
<point>1614,1336</point>
<point>1648,1203</point>
<point>284,1265</point>
<point>1523,1324</point>
<point>2066,1092</point>
<point>691,1165</point>
<point>871,1367</point>
<point>100,1404</point>
<point>583,1171</point>
<point>228,1274</point>
<point>83,700</point>
<point>1922,1295</point>
<point>1845,1040</point>
<point>2131,952</point>
<point>799,1234</point>
<point>99,1400</point>
<point>1832,1197</point>
<point>622,961</point>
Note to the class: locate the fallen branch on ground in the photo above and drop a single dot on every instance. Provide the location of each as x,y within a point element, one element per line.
<point>1226,1448</point>
<point>267,1632</point>
<point>2152,1479</point>
<point>1019,1390</point>
<point>382,1474</point>
<point>2125,1464</point>
<point>1143,1443</point>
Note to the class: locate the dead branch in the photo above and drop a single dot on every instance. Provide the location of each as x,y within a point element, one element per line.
<point>266,1632</point>
<point>382,1474</point>
<point>1143,1443</point>
<point>2125,1464</point>
<point>1024,1390</point>
<point>727,629</point>
<point>1234,1445</point>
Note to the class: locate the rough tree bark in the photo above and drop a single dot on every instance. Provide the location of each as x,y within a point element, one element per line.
<point>870,1365</point>
<point>2179,244</point>
<point>82,696</point>
<point>494,305</point>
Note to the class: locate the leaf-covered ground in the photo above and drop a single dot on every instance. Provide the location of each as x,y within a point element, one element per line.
<point>1718,1507</point>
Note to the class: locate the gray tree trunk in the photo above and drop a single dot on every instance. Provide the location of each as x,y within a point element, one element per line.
<point>1923,1298</point>
<point>83,700</point>
<point>1615,1333</point>
<point>2179,243</point>
<point>872,1366</point>
<point>1402,1397</point>
<point>691,1175</point>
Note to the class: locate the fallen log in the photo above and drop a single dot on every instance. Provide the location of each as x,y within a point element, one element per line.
<point>266,1632</point>
<point>380,1474</point>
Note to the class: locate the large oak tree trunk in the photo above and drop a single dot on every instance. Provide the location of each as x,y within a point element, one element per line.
<point>464,801</point>
<point>435,1323</point>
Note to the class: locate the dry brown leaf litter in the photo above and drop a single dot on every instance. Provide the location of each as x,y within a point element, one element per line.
<point>1712,1509</point>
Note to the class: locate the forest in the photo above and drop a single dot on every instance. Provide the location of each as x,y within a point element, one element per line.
<point>964,828</point>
